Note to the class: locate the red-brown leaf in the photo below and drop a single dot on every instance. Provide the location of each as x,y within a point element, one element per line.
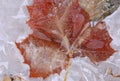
<point>57,18</point>
<point>97,45</point>
<point>60,29</point>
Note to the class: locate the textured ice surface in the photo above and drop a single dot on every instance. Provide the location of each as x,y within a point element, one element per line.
<point>12,20</point>
<point>113,22</point>
<point>13,27</point>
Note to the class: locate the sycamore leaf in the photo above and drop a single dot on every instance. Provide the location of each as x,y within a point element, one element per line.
<point>61,31</point>
<point>57,19</point>
<point>96,43</point>
<point>44,57</point>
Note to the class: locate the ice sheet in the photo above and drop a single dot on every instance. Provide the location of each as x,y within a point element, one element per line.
<point>13,27</point>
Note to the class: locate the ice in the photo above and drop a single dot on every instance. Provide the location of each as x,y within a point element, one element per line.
<point>113,21</point>
<point>13,27</point>
<point>12,60</point>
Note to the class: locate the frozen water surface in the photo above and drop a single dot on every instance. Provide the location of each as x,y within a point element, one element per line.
<point>13,27</point>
